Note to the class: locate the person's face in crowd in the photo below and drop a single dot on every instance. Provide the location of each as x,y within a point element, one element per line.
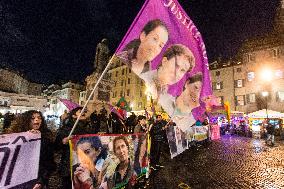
<point>192,91</point>
<point>152,44</point>
<point>82,117</point>
<point>36,121</point>
<point>121,150</point>
<point>171,71</point>
<point>142,122</point>
<point>159,118</point>
<point>88,150</point>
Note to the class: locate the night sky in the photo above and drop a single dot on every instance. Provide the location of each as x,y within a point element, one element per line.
<point>52,41</point>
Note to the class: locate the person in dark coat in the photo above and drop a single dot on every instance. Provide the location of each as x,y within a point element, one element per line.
<point>270,132</point>
<point>157,133</point>
<point>95,122</point>
<point>34,122</point>
<point>62,142</point>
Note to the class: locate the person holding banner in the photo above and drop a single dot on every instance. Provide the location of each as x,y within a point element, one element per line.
<point>124,174</point>
<point>139,53</point>
<point>62,142</point>
<point>91,155</point>
<point>34,122</point>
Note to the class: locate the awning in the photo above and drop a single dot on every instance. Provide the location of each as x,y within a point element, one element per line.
<point>264,114</point>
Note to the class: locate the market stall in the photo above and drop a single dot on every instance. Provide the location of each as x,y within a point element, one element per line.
<point>259,119</point>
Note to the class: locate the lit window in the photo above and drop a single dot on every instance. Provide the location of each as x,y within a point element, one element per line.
<point>217,85</point>
<point>239,83</point>
<point>251,98</point>
<point>251,76</point>
<point>276,52</point>
<point>240,100</point>
<point>279,74</point>
<point>280,96</point>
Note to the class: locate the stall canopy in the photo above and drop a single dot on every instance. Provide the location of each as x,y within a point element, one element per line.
<point>264,114</point>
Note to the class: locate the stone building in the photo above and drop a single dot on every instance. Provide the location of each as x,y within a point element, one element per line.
<point>70,91</point>
<point>255,80</point>
<point>14,82</point>
<point>19,103</point>
<point>101,96</point>
<point>127,84</point>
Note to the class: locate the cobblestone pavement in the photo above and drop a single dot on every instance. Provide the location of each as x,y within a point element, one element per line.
<point>232,162</point>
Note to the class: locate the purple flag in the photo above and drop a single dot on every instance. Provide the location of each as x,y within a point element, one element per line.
<point>114,110</point>
<point>69,104</point>
<point>165,49</point>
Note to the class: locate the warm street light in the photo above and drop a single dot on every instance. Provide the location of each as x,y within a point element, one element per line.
<point>266,75</point>
<point>264,93</point>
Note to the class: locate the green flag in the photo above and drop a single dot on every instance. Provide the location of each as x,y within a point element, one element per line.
<point>122,103</point>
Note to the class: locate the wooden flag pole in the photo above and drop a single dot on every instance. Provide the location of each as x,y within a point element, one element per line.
<point>89,98</point>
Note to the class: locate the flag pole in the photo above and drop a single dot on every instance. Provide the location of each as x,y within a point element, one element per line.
<point>89,98</point>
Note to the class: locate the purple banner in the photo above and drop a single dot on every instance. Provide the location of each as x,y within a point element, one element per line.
<point>165,49</point>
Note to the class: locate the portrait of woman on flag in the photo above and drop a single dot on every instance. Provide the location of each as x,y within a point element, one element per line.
<point>177,61</point>
<point>139,52</point>
<point>190,96</point>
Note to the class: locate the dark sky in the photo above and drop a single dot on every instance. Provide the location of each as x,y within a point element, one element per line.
<point>55,40</point>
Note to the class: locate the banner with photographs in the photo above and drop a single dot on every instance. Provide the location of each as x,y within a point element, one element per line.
<point>179,140</point>
<point>165,49</point>
<point>108,161</point>
<point>14,161</point>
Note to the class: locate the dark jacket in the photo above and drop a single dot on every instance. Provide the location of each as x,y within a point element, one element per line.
<point>63,132</point>
<point>270,129</point>
<point>157,133</point>
<point>46,161</point>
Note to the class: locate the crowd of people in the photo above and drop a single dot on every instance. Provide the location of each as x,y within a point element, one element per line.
<point>51,143</point>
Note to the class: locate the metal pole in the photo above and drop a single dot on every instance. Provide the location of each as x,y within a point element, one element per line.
<point>89,98</point>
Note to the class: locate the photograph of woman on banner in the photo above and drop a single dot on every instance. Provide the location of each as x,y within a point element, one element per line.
<point>172,138</point>
<point>91,155</point>
<point>177,61</point>
<point>34,122</point>
<point>141,159</point>
<point>124,174</point>
<point>190,96</point>
<point>181,139</point>
<point>139,53</point>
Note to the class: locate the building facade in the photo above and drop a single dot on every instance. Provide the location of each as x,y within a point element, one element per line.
<point>13,82</point>
<point>19,103</point>
<point>128,85</point>
<point>70,91</point>
<point>255,80</point>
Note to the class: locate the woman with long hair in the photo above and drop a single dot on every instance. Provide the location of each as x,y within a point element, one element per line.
<point>33,121</point>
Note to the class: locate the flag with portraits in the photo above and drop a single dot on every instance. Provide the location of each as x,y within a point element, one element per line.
<point>165,49</point>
